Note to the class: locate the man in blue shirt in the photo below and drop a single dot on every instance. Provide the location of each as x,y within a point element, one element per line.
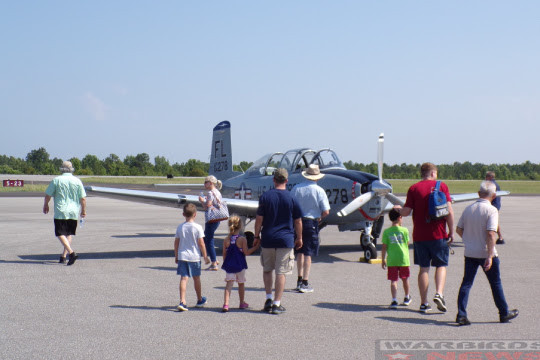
<point>278,219</point>
<point>315,206</point>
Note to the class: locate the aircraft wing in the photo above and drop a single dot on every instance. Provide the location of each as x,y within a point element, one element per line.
<point>236,206</point>
<point>455,198</point>
<point>473,196</point>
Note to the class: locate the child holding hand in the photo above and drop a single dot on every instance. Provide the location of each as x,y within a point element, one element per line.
<point>235,249</point>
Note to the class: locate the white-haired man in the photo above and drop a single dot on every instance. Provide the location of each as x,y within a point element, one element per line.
<point>478,228</point>
<point>315,206</point>
<point>69,201</point>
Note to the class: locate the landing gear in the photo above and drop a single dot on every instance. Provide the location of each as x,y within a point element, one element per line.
<point>370,250</point>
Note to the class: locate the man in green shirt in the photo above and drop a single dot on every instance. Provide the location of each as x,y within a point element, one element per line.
<point>69,201</point>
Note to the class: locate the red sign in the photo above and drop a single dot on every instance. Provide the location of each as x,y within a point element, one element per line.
<point>13,183</point>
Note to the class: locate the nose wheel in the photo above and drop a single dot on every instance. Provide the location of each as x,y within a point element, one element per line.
<point>370,250</point>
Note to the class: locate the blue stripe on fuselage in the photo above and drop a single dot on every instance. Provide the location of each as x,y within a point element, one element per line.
<point>353,175</point>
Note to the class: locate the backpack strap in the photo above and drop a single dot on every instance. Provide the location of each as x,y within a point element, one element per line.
<point>437,185</point>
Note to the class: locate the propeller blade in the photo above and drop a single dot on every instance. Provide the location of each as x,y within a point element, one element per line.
<point>356,204</point>
<point>394,199</point>
<point>380,155</point>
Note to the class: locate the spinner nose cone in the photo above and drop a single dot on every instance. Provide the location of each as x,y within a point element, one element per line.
<point>381,188</point>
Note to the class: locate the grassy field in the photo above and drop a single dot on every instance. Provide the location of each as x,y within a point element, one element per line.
<point>144,180</point>
<point>26,188</point>
<point>469,186</point>
<point>399,186</point>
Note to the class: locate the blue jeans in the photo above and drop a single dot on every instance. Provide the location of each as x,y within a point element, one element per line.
<point>494,278</point>
<point>209,230</point>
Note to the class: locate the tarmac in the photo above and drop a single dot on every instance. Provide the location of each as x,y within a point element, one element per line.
<point>118,301</point>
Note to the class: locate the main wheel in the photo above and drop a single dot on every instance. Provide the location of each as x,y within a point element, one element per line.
<point>370,252</point>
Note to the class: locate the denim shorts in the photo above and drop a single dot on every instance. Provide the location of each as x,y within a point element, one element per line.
<point>189,268</point>
<point>310,237</point>
<point>431,253</point>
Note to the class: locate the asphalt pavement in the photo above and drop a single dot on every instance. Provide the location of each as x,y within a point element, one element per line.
<point>118,301</point>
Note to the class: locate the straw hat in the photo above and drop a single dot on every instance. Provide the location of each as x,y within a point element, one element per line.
<point>312,173</point>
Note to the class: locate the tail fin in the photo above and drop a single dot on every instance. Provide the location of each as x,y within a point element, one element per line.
<point>221,165</point>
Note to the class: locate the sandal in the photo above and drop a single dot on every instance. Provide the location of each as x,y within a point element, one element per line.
<point>213,268</point>
<point>244,305</point>
<point>225,308</point>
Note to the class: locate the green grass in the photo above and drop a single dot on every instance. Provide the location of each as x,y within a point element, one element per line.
<point>144,180</point>
<point>25,188</point>
<point>471,186</point>
<point>399,186</point>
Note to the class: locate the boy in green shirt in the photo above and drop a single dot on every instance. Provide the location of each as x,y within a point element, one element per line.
<point>396,243</point>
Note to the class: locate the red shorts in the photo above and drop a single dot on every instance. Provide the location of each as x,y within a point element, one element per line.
<point>395,272</point>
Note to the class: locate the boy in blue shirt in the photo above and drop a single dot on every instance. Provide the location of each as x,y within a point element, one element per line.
<point>396,244</point>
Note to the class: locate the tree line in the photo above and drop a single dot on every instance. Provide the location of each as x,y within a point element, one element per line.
<point>38,161</point>
<point>455,171</point>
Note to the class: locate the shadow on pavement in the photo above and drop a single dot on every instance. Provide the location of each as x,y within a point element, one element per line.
<point>103,255</point>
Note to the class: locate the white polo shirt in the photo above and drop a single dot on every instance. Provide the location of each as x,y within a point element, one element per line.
<point>477,219</point>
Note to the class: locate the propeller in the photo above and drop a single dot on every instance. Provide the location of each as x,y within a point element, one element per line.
<point>356,204</point>
<point>378,187</point>
<point>394,199</point>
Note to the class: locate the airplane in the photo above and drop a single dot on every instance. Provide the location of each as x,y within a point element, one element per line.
<point>358,200</point>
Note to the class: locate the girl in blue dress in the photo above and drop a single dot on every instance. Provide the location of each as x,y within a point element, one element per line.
<point>235,249</point>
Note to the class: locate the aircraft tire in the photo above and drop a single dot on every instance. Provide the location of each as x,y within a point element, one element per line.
<point>370,252</point>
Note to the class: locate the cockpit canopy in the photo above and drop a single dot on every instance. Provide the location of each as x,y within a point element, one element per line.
<point>295,161</point>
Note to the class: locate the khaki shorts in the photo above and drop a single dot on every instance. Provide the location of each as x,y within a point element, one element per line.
<point>279,259</point>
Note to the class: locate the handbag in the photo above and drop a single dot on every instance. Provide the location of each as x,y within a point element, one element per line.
<point>218,212</point>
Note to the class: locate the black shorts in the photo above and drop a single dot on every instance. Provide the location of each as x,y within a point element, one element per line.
<point>65,227</point>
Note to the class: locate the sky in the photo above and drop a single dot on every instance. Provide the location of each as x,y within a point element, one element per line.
<point>445,81</point>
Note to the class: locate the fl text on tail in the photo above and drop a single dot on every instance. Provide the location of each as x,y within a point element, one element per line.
<point>221,165</point>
